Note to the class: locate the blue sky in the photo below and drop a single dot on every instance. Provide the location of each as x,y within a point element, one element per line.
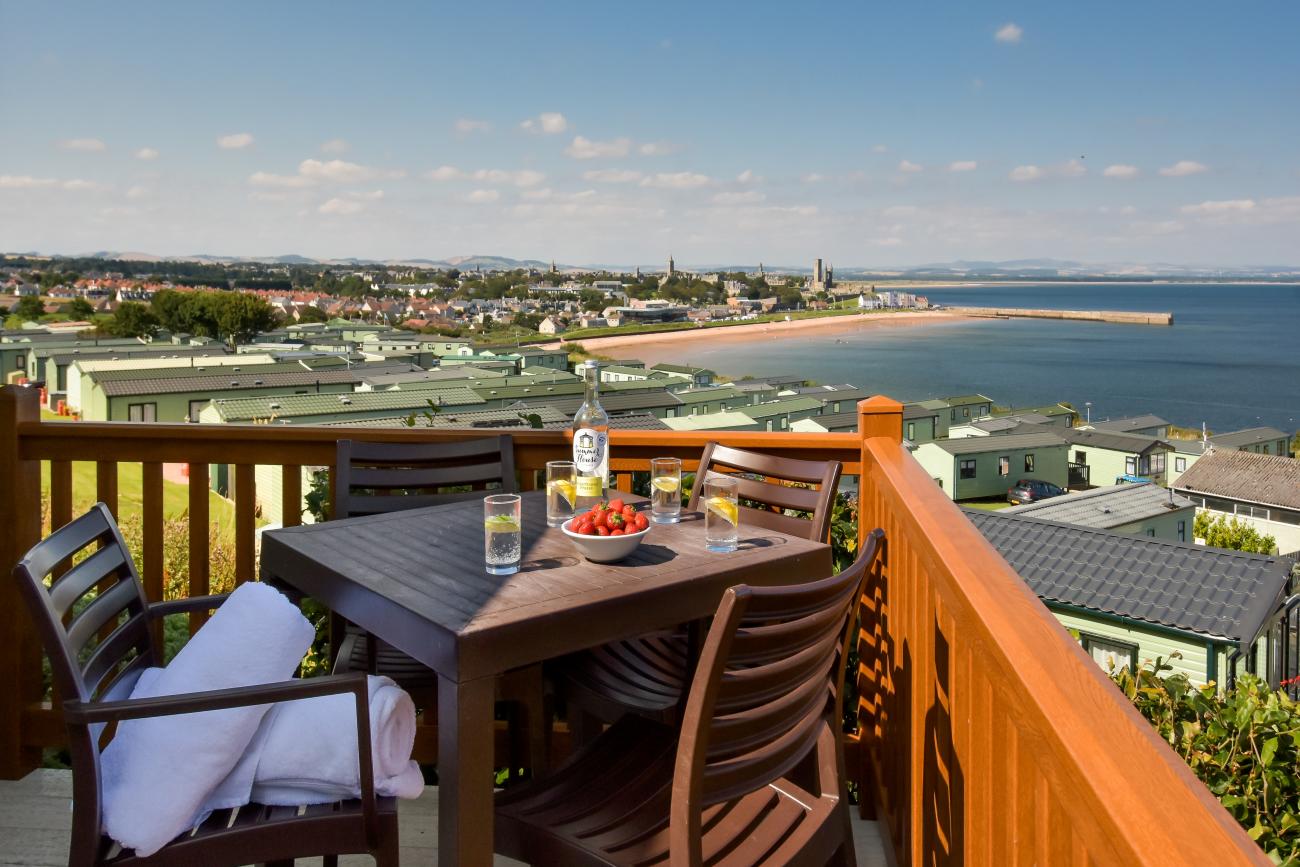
<point>865,133</point>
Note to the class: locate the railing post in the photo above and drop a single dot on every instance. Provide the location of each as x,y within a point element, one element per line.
<point>20,529</point>
<point>878,416</point>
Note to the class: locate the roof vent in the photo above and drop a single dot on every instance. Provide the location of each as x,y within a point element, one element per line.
<point>274,406</point>
<point>234,383</point>
<point>346,400</point>
<point>257,382</point>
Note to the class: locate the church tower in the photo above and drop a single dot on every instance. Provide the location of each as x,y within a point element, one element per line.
<point>671,267</point>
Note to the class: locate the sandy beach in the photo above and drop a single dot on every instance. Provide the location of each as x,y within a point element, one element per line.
<point>668,345</point>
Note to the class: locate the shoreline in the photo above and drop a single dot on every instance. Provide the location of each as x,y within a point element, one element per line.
<point>623,345</point>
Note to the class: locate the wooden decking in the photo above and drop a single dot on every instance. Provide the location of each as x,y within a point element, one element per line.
<point>35,818</point>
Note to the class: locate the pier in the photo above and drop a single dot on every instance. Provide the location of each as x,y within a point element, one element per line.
<point>1123,317</point>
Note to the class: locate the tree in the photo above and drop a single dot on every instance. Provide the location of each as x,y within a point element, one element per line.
<point>29,308</point>
<point>241,316</point>
<point>1234,534</point>
<point>307,313</point>
<point>78,308</point>
<point>590,299</point>
<point>132,320</point>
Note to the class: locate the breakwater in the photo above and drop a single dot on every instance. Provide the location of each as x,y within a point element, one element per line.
<point>1124,317</point>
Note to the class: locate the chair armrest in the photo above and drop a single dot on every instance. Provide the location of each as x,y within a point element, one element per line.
<point>181,606</point>
<point>77,712</point>
<point>86,713</point>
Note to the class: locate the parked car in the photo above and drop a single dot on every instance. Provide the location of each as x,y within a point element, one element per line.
<point>1032,490</point>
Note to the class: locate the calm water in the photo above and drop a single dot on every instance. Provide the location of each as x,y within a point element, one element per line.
<point>1231,359</point>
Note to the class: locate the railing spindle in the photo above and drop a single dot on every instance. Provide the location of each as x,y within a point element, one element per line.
<point>60,495</point>
<point>151,572</point>
<point>106,484</point>
<point>198,515</point>
<point>291,495</point>
<point>245,524</point>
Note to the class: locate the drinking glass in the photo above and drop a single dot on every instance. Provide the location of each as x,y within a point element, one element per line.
<point>665,490</point>
<point>502,539</point>
<point>561,491</point>
<point>721,515</point>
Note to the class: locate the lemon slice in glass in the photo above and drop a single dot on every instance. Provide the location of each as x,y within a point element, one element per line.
<point>501,524</point>
<point>667,484</point>
<point>724,508</point>
<point>566,489</point>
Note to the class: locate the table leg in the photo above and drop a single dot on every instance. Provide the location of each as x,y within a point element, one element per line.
<point>466,738</point>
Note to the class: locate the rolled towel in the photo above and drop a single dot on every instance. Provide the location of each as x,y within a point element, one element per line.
<point>159,772</point>
<point>305,752</point>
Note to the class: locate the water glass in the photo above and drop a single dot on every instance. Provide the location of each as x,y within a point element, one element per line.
<point>502,536</point>
<point>665,490</point>
<point>561,491</point>
<point>721,514</point>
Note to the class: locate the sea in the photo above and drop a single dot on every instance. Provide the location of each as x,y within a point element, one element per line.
<point>1231,360</point>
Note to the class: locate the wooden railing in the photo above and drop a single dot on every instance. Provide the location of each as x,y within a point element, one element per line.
<point>986,736</point>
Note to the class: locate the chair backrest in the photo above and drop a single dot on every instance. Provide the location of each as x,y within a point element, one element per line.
<point>373,478</point>
<point>770,491</point>
<point>97,644</point>
<point>765,692</point>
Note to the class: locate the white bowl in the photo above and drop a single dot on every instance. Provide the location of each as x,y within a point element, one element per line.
<point>604,549</point>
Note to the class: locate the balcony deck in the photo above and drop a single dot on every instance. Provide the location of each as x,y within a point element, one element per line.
<point>35,820</point>
<point>985,735</point>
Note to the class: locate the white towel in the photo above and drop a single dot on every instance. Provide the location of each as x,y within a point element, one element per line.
<point>305,752</point>
<point>158,773</point>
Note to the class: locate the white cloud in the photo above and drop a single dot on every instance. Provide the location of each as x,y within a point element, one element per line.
<point>1128,210</point>
<point>537,195</point>
<point>748,197</point>
<point>146,154</point>
<point>880,149</point>
<point>676,180</point>
<point>613,176</point>
<point>909,167</point>
<point>1009,33</point>
<point>336,146</point>
<point>747,177</point>
<point>268,179</point>
<point>137,192</point>
<point>584,148</point>
<point>520,178</point>
<point>1226,206</point>
<point>88,145</point>
<point>1073,169</point>
<point>235,141</point>
<point>468,125</point>
<point>1182,168</point>
<point>79,184</point>
<point>444,173</point>
<point>887,242</point>
<point>1161,227</point>
<point>547,123</point>
<point>813,178</point>
<point>339,207</point>
<point>1026,173</point>
<point>25,182</point>
<point>482,197</point>
<point>658,148</point>
<point>336,171</point>
<point>963,166</point>
<point>1120,171</point>
<point>372,196</point>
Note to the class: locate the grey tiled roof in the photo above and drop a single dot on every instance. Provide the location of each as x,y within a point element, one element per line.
<point>1245,476</point>
<point>1124,425</point>
<point>612,403</point>
<point>1248,437</point>
<point>1207,591</point>
<point>1104,508</point>
<point>635,421</point>
<point>221,381</point>
<point>974,445</point>
<point>1114,440</point>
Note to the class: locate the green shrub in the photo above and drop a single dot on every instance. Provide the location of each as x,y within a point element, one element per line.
<point>1242,743</point>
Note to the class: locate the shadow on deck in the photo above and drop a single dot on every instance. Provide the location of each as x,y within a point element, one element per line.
<point>35,818</point>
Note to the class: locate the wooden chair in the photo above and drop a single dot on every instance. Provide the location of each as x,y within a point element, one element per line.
<point>377,478</point>
<point>753,775</point>
<point>98,646</point>
<point>647,675</point>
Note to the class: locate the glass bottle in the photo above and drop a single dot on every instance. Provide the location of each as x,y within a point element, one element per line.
<point>591,442</point>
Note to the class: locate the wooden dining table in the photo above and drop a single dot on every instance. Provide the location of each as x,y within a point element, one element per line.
<point>416,580</point>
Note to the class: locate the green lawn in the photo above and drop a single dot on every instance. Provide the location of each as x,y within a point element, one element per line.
<point>988,504</point>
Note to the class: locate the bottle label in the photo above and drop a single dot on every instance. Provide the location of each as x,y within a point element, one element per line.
<point>590,486</point>
<point>589,449</point>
